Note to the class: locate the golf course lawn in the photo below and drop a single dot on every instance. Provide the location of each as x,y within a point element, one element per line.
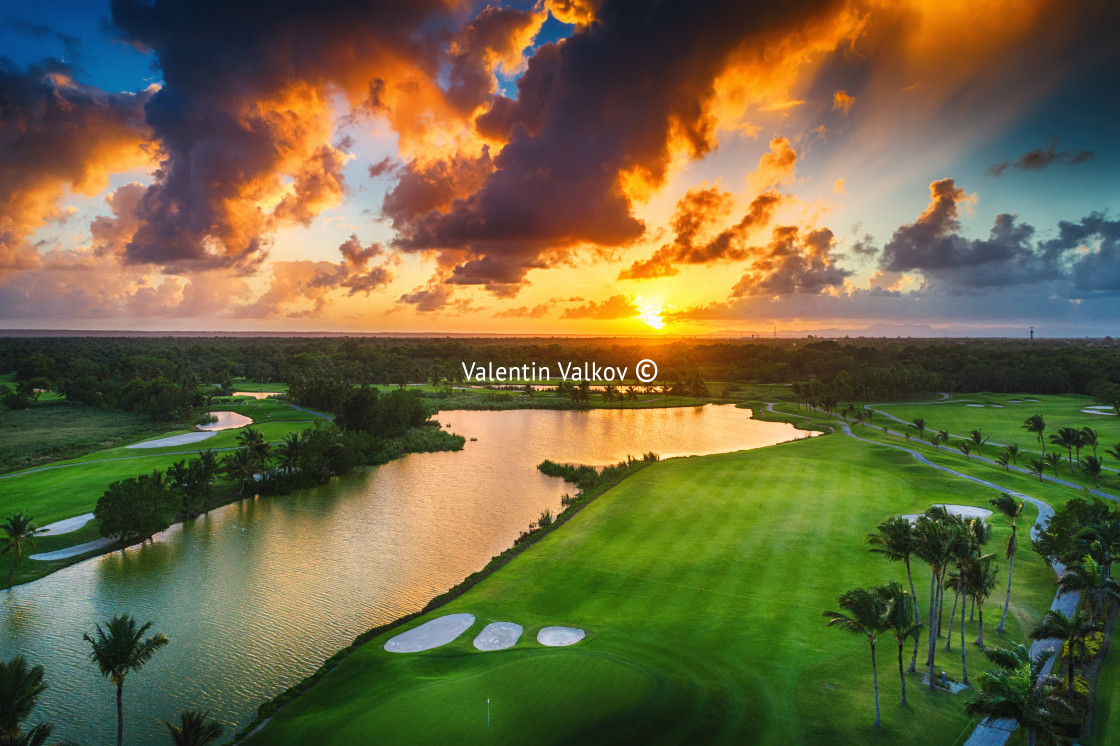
<point>700,583</point>
<point>1004,423</point>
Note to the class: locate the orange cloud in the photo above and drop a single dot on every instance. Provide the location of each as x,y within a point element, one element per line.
<point>842,102</point>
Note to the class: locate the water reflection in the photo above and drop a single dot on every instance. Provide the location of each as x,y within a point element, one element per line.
<point>226,421</point>
<point>256,595</point>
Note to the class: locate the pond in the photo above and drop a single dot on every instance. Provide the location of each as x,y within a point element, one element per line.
<point>255,595</point>
<point>226,421</point>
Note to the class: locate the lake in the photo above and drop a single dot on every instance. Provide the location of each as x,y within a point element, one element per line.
<point>256,595</point>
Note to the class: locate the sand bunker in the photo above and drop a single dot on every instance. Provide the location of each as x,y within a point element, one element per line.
<point>67,525</point>
<point>498,636</point>
<point>74,551</point>
<point>431,634</point>
<point>1014,401</point>
<point>173,440</point>
<point>997,406</point>
<point>558,637</point>
<point>974,405</point>
<point>1099,411</point>
<point>964,511</point>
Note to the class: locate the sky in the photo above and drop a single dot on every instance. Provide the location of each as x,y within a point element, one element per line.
<point>561,166</point>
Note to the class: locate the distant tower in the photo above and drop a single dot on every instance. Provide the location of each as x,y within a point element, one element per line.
<point>1032,335</point>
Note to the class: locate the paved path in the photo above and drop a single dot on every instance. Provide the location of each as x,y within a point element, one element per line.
<point>989,733</point>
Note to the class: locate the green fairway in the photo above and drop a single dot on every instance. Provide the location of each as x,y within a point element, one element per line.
<point>701,583</point>
<point>1003,422</point>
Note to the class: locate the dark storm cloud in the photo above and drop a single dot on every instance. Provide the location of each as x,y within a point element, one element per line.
<point>244,104</point>
<point>933,244</point>
<point>575,127</point>
<point>1040,158</point>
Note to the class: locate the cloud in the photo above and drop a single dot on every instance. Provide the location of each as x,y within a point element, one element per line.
<point>842,102</point>
<point>525,312</point>
<point>433,297</point>
<point>697,210</point>
<point>933,245</point>
<point>247,112</point>
<point>1041,158</point>
<point>57,135</point>
<point>574,159</point>
<point>793,262</point>
<point>614,307</point>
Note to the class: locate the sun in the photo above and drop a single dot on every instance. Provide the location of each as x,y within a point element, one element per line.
<point>650,314</point>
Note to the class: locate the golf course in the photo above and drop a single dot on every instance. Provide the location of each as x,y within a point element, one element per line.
<point>701,583</point>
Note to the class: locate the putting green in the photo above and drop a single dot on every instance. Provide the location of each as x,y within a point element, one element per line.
<point>551,693</point>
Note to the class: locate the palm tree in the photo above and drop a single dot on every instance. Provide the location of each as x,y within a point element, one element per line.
<point>1006,505</point>
<point>934,545</point>
<point>966,448</point>
<point>1086,577</point>
<point>1036,425</point>
<point>240,466</point>
<point>935,441</point>
<point>895,540</point>
<point>632,393</point>
<point>1054,460</point>
<point>1066,437</point>
<point>1018,691</point>
<point>1089,438</point>
<point>1013,452</point>
<point>1101,540</point>
<point>609,392</point>
<point>19,536</point>
<point>1037,467</point>
<point>20,688</point>
<point>944,435</point>
<point>118,650</point>
<point>290,450</point>
<point>919,425</point>
<point>1091,465</point>
<point>1073,632</point>
<point>1114,451</point>
<point>208,467</point>
<point>1004,460</point>
<point>901,620</point>
<point>978,439</point>
<point>863,614</point>
<point>193,729</point>
<point>253,440</point>
<point>981,582</point>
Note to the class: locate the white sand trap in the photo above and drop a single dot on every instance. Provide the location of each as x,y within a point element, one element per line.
<point>1036,401</point>
<point>974,405</point>
<point>964,511</point>
<point>1014,401</point>
<point>558,637</point>
<point>173,440</point>
<point>498,636</point>
<point>997,406</point>
<point>431,634</point>
<point>74,551</point>
<point>1098,411</point>
<point>67,525</point>
<point>1106,407</point>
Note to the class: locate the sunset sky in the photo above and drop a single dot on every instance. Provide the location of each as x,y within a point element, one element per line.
<point>568,166</point>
